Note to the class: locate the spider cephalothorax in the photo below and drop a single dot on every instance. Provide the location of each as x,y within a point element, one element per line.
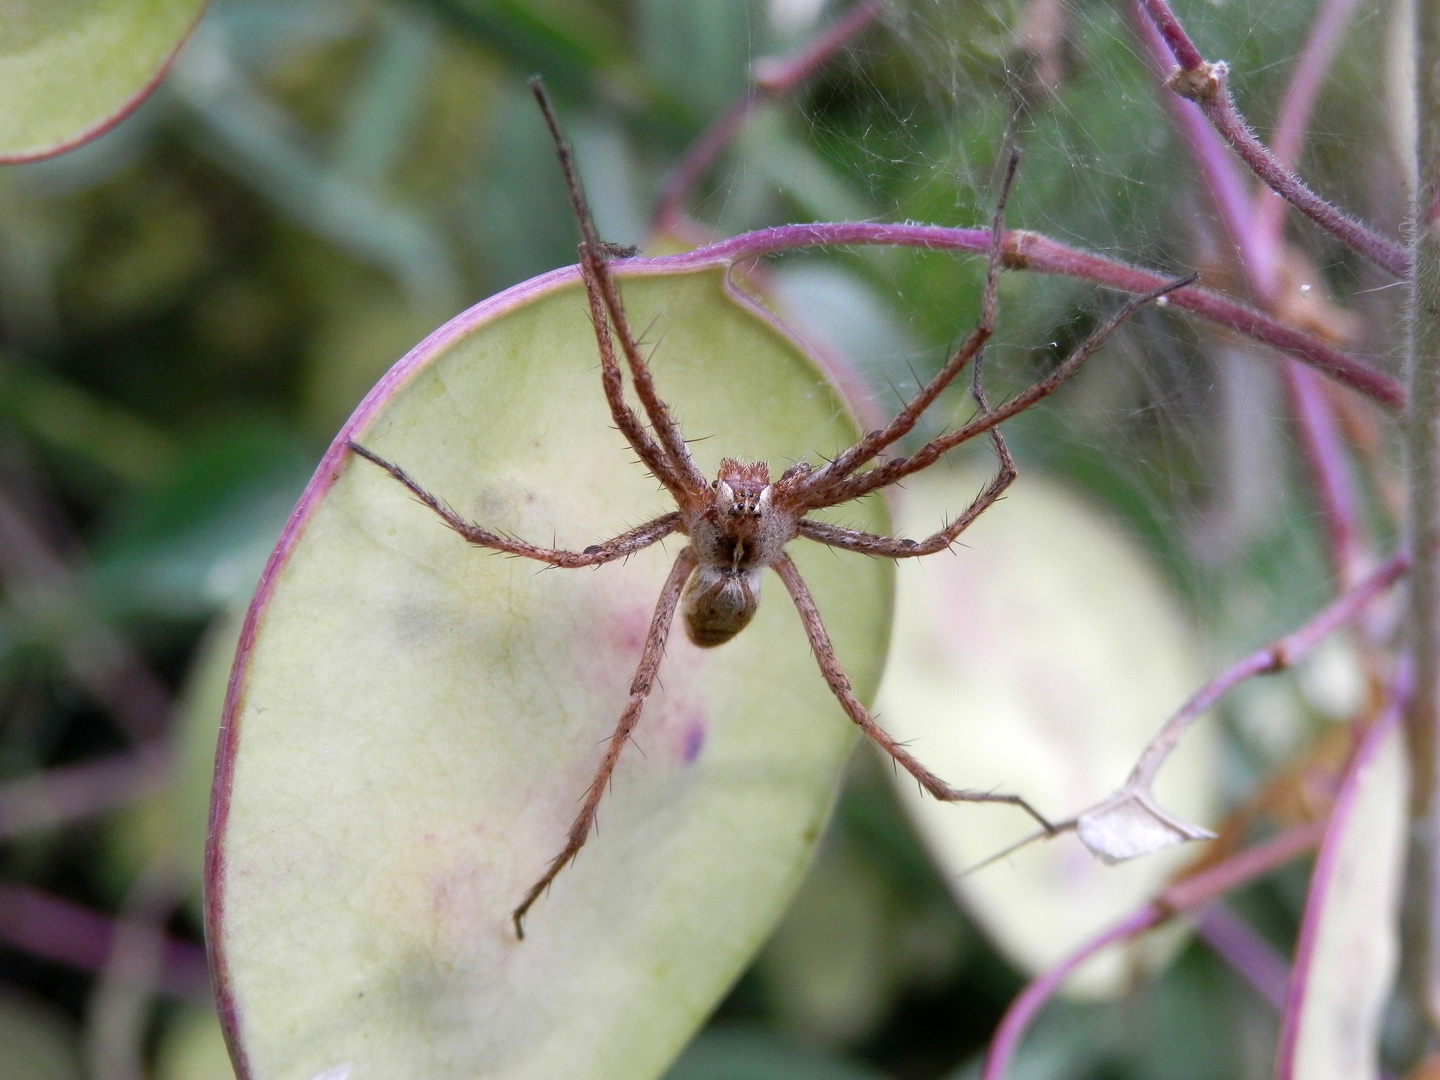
<point>737,529</point>
<point>740,523</point>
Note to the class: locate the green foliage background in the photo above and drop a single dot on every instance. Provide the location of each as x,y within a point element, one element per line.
<point>190,305</point>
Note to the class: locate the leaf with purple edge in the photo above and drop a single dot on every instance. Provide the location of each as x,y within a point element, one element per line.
<point>1345,958</point>
<point>72,70</point>
<point>412,721</point>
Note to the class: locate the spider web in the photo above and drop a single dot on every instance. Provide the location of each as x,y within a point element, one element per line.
<point>1182,431</point>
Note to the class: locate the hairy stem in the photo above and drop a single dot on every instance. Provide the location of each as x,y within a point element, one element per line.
<point>1422,477</point>
<point>1026,250</point>
<point>1293,118</point>
<point>1258,251</point>
<point>1205,84</point>
<point>1277,656</point>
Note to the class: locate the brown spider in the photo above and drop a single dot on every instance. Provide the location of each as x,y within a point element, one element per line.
<point>739,523</point>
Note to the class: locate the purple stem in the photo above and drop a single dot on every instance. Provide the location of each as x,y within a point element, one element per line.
<point>1254,958</point>
<point>1329,471</point>
<point>781,75</point>
<point>1222,181</point>
<point>1176,40</point>
<point>1259,256</point>
<point>38,581</point>
<point>1293,119</point>
<point>1189,894</point>
<point>1205,84</point>
<point>117,1019</point>
<point>61,930</point>
<point>73,792</point>
<point>1024,1008</point>
<point>770,78</point>
<point>1276,656</point>
<point>1030,251</point>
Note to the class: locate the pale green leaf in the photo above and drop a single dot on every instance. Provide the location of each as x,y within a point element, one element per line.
<point>1345,959</point>
<point>415,720</point>
<point>1038,658</point>
<point>69,69</point>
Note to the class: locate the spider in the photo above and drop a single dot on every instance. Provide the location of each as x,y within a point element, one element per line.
<point>739,524</point>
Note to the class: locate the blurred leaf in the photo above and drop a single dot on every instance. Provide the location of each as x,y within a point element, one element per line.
<point>1345,959</point>
<point>193,1048</point>
<point>699,50</point>
<point>185,548</point>
<point>827,967</point>
<point>382,110</point>
<point>37,1041</point>
<point>416,718</point>
<point>70,70</point>
<point>522,221</point>
<point>571,43</point>
<point>735,1052</point>
<point>368,327</point>
<point>254,136</point>
<point>1038,659</point>
<point>69,418</point>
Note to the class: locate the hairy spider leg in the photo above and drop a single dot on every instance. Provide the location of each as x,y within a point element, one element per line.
<point>627,543</point>
<point>816,483</point>
<point>891,548</point>
<point>650,656</point>
<point>598,277</point>
<point>887,473</point>
<point>839,684</point>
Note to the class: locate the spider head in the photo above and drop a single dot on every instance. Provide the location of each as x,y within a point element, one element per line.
<point>742,490</point>
<point>740,527</point>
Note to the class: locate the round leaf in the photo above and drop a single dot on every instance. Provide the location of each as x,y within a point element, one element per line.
<point>71,69</point>
<point>1038,658</point>
<point>413,721</point>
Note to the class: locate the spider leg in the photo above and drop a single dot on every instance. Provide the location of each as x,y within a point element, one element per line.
<point>599,279</point>
<point>840,686</point>
<point>650,656</point>
<point>627,543</point>
<point>890,547</point>
<point>653,458</point>
<point>876,441</point>
<point>889,472</point>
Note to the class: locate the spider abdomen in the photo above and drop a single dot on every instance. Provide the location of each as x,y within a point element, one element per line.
<point>718,603</point>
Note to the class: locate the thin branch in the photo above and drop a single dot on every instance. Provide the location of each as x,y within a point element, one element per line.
<point>1254,958</point>
<point>1293,119</point>
<point>1221,179</point>
<point>1205,84</point>
<point>769,79</point>
<point>117,1021</point>
<point>1326,462</point>
<point>1276,656</point>
<point>1025,250</point>
<point>1186,895</point>
<point>74,792</point>
<point>38,581</point>
<point>61,930</point>
<point>1422,720</point>
<point>1257,263</point>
